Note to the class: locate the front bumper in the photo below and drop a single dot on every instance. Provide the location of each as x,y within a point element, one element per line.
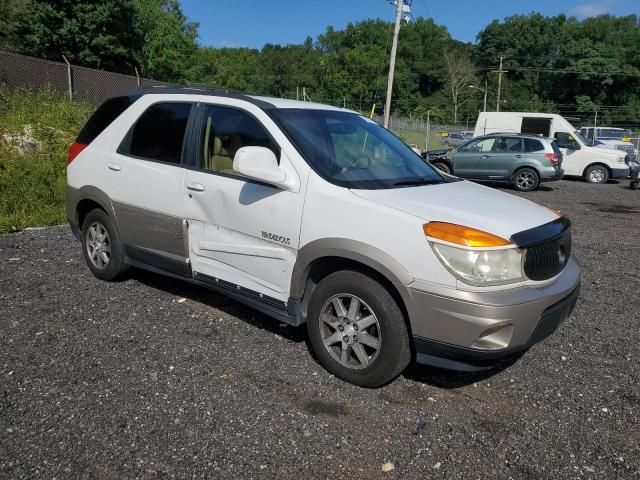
<point>620,172</point>
<point>473,330</point>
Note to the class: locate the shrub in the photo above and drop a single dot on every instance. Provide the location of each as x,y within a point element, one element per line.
<point>32,184</point>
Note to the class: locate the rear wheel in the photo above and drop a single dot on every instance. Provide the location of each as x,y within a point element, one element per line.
<point>526,179</point>
<point>596,174</point>
<point>357,329</point>
<point>443,167</point>
<point>101,246</point>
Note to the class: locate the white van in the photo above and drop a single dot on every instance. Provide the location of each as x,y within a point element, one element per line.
<point>594,164</point>
<point>315,214</point>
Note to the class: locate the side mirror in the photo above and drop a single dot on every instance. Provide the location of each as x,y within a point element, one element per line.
<point>573,145</point>
<point>259,163</point>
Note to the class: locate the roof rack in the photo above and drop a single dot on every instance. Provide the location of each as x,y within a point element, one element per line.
<point>197,90</point>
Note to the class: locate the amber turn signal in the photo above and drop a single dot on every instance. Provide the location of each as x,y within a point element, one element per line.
<point>468,237</point>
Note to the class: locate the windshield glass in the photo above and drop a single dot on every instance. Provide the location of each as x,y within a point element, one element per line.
<point>352,151</point>
<point>610,133</point>
<point>580,137</point>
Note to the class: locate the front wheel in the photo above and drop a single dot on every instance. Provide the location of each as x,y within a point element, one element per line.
<point>634,185</point>
<point>526,179</point>
<point>596,174</point>
<point>357,329</point>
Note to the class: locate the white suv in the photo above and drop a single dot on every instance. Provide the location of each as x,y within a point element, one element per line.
<point>314,214</point>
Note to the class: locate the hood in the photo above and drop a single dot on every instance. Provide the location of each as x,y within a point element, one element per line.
<point>464,203</point>
<point>609,150</point>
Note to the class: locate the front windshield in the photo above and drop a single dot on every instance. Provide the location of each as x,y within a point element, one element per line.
<point>581,137</point>
<point>352,151</point>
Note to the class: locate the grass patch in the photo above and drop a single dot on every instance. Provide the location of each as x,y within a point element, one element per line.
<point>32,185</point>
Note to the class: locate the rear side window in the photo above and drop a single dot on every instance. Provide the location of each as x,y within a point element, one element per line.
<point>508,145</point>
<point>532,145</point>
<point>104,116</point>
<point>159,133</point>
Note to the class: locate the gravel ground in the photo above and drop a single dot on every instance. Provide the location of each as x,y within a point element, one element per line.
<point>128,379</point>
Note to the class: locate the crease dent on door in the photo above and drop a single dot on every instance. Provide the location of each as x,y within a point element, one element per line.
<point>241,259</point>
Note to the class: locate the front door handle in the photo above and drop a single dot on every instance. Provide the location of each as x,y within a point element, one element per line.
<point>114,166</point>
<point>195,187</point>
<point>518,156</point>
<point>484,156</point>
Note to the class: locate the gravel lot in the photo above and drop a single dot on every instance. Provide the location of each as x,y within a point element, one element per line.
<point>127,379</point>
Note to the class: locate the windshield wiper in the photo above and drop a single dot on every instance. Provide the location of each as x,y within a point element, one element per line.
<point>417,181</point>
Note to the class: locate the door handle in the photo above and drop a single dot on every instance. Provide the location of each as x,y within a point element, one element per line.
<point>484,156</point>
<point>518,156</point>
<point>195,187</point>
<point>114,166</point>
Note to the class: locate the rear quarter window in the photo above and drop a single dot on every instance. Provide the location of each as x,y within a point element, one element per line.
<point>104,116</point>
<point>532,145</point>
<point>159,133</point>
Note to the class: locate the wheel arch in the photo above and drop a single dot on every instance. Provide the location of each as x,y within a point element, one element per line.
<point>322,257</point>
<point>88,198</point>
<point>600,164</point>
<point>530,167</point>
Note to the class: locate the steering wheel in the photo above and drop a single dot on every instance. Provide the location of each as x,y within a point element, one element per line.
<point>354,160</point>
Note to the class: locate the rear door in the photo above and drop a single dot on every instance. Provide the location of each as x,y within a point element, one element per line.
<point>473,159</point>
<point>505,157</point>
<point>144,181</point>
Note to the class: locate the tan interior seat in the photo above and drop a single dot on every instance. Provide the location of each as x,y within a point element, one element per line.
<point>224,149</point>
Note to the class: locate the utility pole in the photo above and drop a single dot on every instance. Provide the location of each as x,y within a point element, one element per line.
<point>392,62</point>
<point>486,89</point>
<point>500,72</point>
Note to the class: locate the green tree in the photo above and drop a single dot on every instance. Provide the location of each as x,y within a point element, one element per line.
<point>94,34</point>
<point>168,40</point>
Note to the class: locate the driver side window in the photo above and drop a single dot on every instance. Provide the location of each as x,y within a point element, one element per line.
<point>223,132</point>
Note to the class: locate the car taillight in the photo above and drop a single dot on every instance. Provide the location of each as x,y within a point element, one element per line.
<point>553,158</point>
<point>74,151</point>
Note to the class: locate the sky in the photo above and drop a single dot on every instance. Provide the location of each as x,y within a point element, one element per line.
<point>252,23</point>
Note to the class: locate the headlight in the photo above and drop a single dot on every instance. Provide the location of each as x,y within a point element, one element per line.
<point>478,258</point>
<point>622,159</point>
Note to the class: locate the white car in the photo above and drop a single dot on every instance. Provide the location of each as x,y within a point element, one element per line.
<point>318,215</point>
<point>611,137</point>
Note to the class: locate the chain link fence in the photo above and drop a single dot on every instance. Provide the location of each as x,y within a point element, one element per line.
<point>81,83</point>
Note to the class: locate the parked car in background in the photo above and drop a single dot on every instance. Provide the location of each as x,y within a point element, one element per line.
<point>594,164</point>
<point>523,160</point>
<point>455,139</point>
<point>315,214</point>
<point>617,138</point>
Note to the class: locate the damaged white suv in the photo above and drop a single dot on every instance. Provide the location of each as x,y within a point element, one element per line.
<point>315,214</point>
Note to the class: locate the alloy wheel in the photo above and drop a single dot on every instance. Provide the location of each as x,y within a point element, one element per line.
<point>350,331</point>
<point>98,245</point>
<point>525,180</point>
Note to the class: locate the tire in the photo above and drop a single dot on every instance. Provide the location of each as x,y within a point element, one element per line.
<point>101,246</point>
<point>634,185</point>
<point>378,316</point>
<point>526,179</point>
<point>443,167</point>
<point>597,174</point>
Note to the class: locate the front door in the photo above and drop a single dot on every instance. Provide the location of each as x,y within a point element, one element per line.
<point>473,159</point>
<point>243,234</point>
<point>572,161</point>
